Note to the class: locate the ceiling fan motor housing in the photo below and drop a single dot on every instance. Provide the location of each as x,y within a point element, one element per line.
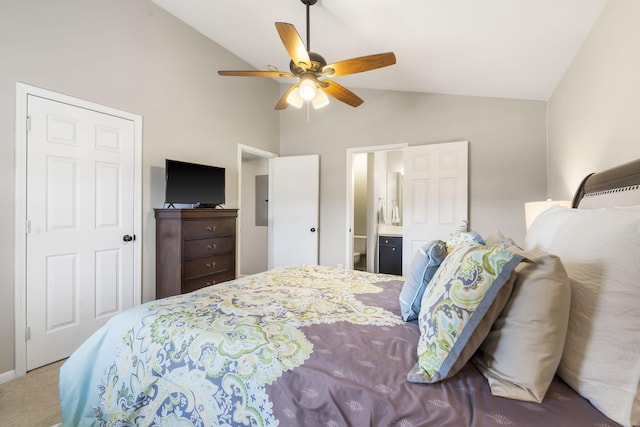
<point>317,64</point>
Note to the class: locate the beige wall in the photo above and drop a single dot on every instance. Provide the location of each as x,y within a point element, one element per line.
<point>507,141</point>
<point>133,56</point>
<point>594,113</point>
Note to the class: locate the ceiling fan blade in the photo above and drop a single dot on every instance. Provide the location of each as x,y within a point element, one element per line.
<point>256,73</point>
<point>358,65</point>
<point>294,44</point>
<point>282,102</point>
<point>341,93</point>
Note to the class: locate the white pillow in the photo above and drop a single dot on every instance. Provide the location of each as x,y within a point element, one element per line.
<point>600,250</point>
<point>546,225</point>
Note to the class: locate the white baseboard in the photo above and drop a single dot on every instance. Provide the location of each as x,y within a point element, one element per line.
<point>5,377</point>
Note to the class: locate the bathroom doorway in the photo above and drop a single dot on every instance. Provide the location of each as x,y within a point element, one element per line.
<point>374,199</point>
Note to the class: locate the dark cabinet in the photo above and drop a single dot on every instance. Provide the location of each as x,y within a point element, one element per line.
<point>390,255</point>
<point>194,248</point>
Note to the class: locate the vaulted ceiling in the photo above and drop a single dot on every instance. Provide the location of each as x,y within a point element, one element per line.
<point>496,48</point>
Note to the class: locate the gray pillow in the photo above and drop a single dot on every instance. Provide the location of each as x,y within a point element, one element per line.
<point>423,266</point>
<point>520,355</point>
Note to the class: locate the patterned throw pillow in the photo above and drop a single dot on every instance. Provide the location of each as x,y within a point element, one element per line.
<point>463,238</point>
<point>423,266</point>
<point>464,298</point>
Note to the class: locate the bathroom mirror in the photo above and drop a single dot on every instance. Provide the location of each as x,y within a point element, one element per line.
<point>394,198</point>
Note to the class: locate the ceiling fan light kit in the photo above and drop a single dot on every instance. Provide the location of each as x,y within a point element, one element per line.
<point>306,92</point>
<point>309,67</point>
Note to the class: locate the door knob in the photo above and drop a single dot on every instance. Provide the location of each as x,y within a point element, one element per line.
<point>128,238</point>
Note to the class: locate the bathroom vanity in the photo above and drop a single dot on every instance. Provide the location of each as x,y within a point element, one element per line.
<point>390,250</point>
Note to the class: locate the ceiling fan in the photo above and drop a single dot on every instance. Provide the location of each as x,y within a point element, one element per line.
<point>309,67</point>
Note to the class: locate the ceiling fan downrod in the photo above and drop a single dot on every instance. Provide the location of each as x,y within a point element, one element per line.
<point>308,3</point>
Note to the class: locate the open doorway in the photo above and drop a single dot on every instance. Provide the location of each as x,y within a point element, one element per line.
<point>374,192</point>
<point>253,181</point>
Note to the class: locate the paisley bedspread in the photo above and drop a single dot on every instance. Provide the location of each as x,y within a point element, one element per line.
<point>301,345</point>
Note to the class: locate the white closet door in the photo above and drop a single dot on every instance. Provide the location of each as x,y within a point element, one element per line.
<point>80,207</point>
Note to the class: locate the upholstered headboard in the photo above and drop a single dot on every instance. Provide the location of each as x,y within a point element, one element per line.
<point>617,186</point>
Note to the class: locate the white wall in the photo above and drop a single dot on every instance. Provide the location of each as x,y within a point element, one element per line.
<point>507,151</point>
<point>594,113</point>
<point>133,56</point>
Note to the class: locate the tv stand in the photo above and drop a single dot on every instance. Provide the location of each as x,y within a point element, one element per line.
<point>194,248</point>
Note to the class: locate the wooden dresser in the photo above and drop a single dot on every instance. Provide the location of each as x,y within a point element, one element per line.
<point>194,248</point>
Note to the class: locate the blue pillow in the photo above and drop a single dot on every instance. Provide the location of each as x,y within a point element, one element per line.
<point>423,266</point>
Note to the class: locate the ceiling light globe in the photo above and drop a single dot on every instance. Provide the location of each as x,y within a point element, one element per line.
<point>307,89</point>
<point>294,99</point>
<point>320,100</point>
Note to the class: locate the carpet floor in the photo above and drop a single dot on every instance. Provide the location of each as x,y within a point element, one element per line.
<point>31,400</point>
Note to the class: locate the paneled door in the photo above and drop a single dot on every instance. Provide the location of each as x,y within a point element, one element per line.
<point>80,225</point>
<point>294,194</point>
<point>435,194</point>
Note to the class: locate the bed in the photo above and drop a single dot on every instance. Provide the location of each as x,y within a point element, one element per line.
<point>320,346</point>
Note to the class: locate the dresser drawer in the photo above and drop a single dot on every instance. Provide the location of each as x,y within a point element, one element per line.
<point>204,266</point>
<point>203,228</point>
<point>206,247</point>
<point>212,279</point>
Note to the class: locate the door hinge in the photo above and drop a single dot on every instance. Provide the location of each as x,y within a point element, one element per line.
<point>27,227</point>
<point>27,333</point>
<point>28,123</point>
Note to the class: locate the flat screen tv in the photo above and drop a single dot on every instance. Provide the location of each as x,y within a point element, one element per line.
<point>194,184</point>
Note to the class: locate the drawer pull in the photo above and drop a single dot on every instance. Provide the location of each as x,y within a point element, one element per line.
<point>213,282</point>
<point>211,228</point>
<point>210,247</point>
<point>210,264</point>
